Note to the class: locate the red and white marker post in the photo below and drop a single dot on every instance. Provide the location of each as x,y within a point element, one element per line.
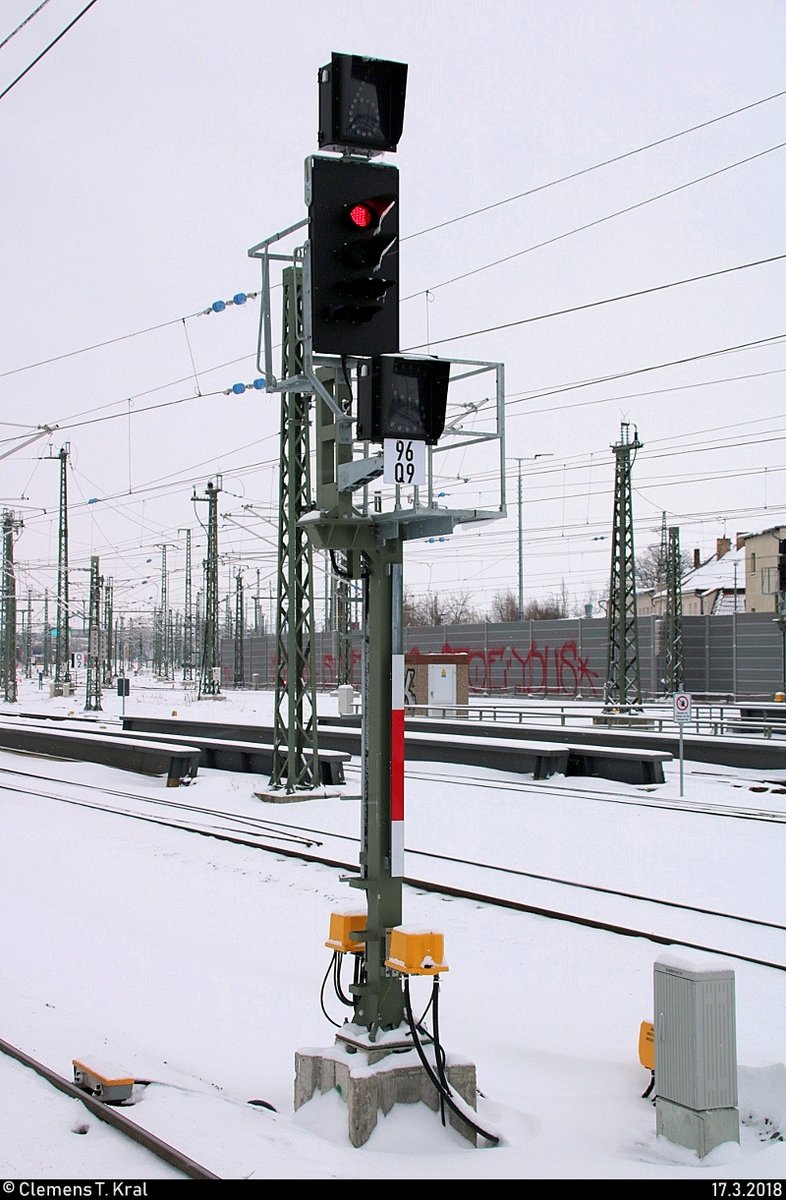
<point>397,766</point>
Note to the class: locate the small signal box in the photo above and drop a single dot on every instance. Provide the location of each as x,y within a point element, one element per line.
<point>103,1080</point>
<point>416,953</point>
<point>341,926</point>
<point>647,1045</point>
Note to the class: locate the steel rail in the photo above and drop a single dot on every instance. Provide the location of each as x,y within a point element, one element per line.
<point>111,1116</point>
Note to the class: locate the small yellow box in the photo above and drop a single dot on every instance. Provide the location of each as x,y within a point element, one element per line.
<point>416,953</point>
<point>647,1045</point>
<point>341,925</point>
<point>105,1081</point>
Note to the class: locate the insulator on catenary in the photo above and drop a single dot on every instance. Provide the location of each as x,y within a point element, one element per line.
<point>256,385</point>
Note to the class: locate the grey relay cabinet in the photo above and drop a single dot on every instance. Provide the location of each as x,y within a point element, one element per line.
<point>695,1055</point>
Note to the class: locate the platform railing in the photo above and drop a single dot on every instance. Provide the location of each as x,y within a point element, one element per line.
<point>710,719</point>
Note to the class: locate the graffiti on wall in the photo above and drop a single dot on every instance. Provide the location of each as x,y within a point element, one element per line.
<point>330,668</point>
<point>559,670</point>
<point>548,670</point>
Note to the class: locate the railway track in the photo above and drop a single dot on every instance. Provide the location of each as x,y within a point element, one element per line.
<point>624,912</point>
<point>112,1115</point>
<point>645,796</point>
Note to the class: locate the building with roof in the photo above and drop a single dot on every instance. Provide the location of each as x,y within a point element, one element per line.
<point>765,569</point>
<point>715,587</point>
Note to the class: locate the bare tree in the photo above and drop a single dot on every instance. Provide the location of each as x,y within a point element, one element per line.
<point>504,607</point>
<point>650,570</point>
<point>433,608</point>
<point>458,609</point>
<point>409,610</point>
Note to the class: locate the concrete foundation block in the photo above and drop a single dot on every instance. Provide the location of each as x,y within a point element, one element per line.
<point>368,1087</point>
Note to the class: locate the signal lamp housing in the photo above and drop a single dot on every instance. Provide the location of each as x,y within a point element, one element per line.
<point>353,253</point>
<point>361,104</point>
<point>403,397</point>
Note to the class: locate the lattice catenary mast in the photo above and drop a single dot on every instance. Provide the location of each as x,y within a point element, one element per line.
<point>623,678</point>
<point>210,670</point>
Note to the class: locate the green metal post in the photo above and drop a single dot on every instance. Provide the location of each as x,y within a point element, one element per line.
<point>379,999</point>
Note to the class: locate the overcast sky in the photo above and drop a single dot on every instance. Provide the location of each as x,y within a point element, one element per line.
<point>595,149</point>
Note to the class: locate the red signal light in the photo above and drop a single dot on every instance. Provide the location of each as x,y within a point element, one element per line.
<point>361,215</point>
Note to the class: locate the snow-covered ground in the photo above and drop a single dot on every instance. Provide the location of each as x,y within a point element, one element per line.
<point>199,966</point>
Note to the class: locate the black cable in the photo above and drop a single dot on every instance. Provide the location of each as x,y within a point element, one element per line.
<point>439,1053</point>
<point>331,966</point>
<point>490,1137</point>
<point>337,570</point>
<point>343,997</point>
<point>345,373</point>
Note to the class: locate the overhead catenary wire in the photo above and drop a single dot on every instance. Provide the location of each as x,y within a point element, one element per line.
<point>22,24</point>
<point>616,398</point>
<point>464,216</point>
<point>46,49</point>
<point>576,308</point>
<point>592,224</point>
<point>607,162</point>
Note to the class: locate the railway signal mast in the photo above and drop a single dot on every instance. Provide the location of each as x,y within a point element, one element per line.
<point>379,415</point>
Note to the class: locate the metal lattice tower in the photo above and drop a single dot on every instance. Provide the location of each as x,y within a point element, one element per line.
<point>47,638</point>
<point>199,630</point>
<point>663,554</point>
<point>120,646</point>
<point>229,628</point>
<point>188,616</point>
<point>156,640</point>
<point>29,636</point>
<point>675,662</point>
<point>257,598</point>
<point>11,525</point>
<point>169,645</point>
<point>163,663</point>
<point>295,726</point>
<point>240,626</point>
<point>210,669</point>
<point>93,686</point>
<point>62,649</point>
<point>107,657</point>
<point>623,677</point>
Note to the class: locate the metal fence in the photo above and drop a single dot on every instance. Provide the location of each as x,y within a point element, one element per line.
<point>730,657</point>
